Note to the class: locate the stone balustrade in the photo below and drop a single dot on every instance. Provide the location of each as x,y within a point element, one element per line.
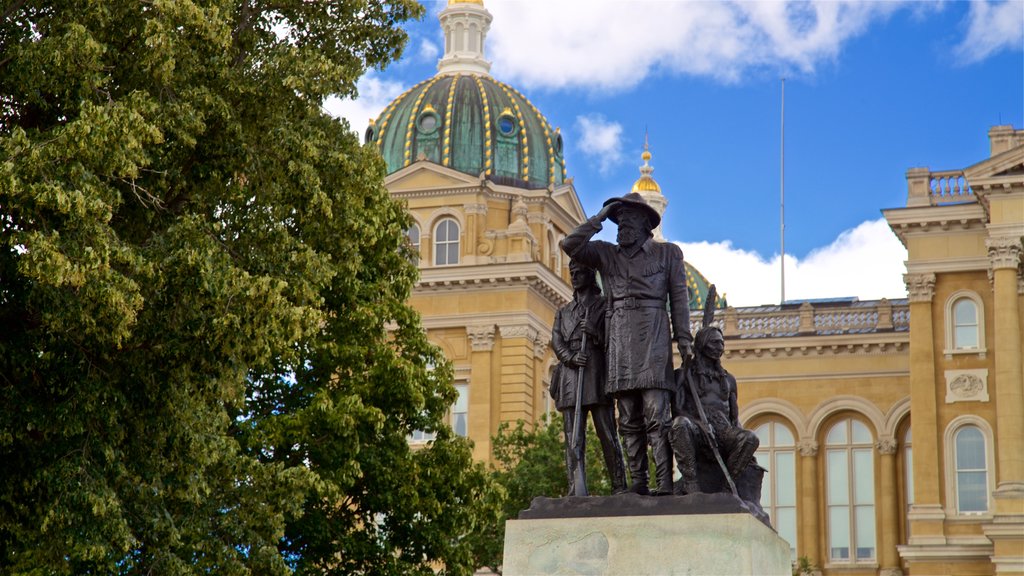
<point>934,188</point>
<point>818,318</point>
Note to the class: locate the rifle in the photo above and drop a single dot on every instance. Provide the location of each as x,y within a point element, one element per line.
<point>579,475</point>
<point>709,432</point>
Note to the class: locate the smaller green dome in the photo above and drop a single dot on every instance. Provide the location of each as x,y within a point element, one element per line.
<point>698,287</point>
<point>474,124</point>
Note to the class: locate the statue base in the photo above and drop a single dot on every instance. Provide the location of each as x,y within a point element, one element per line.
<point>696,534</point>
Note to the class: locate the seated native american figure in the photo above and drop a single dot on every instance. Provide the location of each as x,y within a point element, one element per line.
<point>706,420</point>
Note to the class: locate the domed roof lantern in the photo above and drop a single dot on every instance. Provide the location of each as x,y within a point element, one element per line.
<point>465,24</point>
<point>649,189</point>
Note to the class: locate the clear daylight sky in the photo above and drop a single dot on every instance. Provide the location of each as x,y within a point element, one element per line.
<point>872,88</point>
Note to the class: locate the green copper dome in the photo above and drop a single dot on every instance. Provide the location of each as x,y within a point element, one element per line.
<point>698,287</point>
<point>474,124</point>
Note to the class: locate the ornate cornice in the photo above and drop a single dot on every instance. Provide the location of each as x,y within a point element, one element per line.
<point>481,337</point>
<point>1003,252</point>
<point>480,208</point>
<point>886,446</point>
<point>519,331</point>
<point>540,344</point>
<point>532,275</point>
<point>920,287</point>
<point>807,447</point>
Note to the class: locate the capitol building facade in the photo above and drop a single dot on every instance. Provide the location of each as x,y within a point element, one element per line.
<point>893,430</point>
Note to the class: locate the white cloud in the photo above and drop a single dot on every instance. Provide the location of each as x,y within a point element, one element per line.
<point>600,139</point>
<point>992,27</point>
<point>866,262</point>
<point>615,45</point>
<point>428,51</point>
<point>374,95</point>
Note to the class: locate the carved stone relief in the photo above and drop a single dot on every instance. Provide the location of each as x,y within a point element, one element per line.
<point>967,385</point>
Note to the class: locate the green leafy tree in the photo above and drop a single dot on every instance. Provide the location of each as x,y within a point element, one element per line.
<point>529,461</point>
<point>197,267</point>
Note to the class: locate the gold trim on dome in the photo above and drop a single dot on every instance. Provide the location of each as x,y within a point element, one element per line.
<point>446,155</point>
<point>412,120</point>
<point>488,162</point>
<point>523,138</point>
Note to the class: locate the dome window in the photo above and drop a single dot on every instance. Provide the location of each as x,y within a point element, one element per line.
<point>558,143</point>
<point>427,123</point>
<point>507,124</point>
<point>371,134</point>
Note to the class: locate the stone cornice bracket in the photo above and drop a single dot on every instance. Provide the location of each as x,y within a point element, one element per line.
<point>540,344</point>
<point>475,208</point>
<point>920,287</point>
<point>481,337</point>
<point>808,447</point>
<point>519,331</point>
<point>1003,252</point>
<point>886,446</point>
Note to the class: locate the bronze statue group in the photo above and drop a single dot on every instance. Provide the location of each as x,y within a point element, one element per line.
<point>614,349</point>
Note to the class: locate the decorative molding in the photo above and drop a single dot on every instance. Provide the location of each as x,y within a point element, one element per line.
<point>540,344</point>
<point>475,208</point>
<point>886,446</point>
<point>920,287</point>
<point>808,447</point>
<point>538,218</point>
<point>1004,252</point>
<point>481,337</point>
<point>519,331</point>
<point>967,385</point>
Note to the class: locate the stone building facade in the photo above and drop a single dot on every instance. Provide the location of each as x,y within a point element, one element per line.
<point>893,430</point>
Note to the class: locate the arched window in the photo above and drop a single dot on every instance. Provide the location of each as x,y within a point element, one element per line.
<point>965,324</point>
<point>446,242</point>
<point>971,470</point>
<point>777,454</point>
<point>850,476</point>
<point>413,233</point>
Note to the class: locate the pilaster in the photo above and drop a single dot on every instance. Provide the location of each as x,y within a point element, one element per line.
<point>888,556</point>
<point>517,371</point>
<point>926,515</point>
<point>808,538</point>
<point>481,420</point>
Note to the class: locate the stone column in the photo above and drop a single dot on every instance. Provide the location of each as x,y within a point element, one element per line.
<point>517,343</point>
<point>1007,528</point>
<point>926,515</point>
<point>482,422</point>
<point>888,556</point>
<point>808,534</point>
<point>1004,257</point>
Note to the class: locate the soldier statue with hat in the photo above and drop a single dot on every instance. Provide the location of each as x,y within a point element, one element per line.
<point>639,276</point>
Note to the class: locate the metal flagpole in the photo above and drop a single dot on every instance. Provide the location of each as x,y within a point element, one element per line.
<point>782,195</point>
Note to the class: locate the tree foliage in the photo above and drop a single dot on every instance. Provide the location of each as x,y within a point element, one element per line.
<point>529,461</point>
<point>197,270</point>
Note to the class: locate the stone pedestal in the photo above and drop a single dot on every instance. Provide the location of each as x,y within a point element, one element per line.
<point>682,541</point>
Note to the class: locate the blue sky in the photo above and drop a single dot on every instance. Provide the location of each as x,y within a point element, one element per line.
<point>872,89</point>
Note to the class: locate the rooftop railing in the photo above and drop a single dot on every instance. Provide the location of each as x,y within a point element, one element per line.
<point>820,318</point>
<point>928,188</point>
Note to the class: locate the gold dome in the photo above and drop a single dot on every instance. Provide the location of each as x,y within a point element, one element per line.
<point>646,184</point>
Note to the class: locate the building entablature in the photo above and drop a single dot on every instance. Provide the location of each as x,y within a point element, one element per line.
<point>967,217</point>
<point>476,278</point>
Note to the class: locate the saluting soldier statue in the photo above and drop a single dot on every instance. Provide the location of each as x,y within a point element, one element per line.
<point>578,384</point>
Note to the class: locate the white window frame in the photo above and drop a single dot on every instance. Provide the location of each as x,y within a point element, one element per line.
<point>447,242</point>
<point>848,450</point>
<point>771,450</point>
<point>952,489</point>
<point>950,324</point>
<point>463,395</point>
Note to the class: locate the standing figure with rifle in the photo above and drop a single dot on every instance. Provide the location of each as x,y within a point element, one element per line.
<point>578,385</point>
<point>648,308</point>
<point>707,413</point>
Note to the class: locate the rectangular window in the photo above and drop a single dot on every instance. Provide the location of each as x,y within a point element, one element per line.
<point>460,411</point>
